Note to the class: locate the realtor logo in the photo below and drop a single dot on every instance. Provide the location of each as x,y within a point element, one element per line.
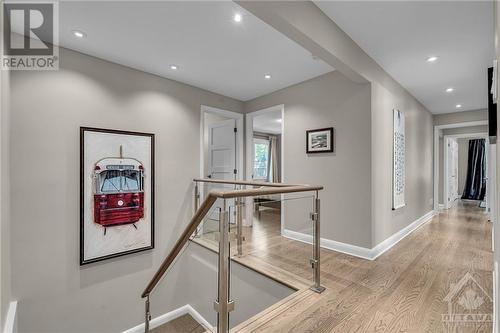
<point>30,31</point>
<point>469,307</point>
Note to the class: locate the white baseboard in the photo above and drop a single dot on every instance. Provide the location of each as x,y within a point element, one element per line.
<point>441,206</point>
<point>358,251</point>
<point>329,244</point>
<point>401,234</point>
<point>169,316</point>
<point>10,319</point>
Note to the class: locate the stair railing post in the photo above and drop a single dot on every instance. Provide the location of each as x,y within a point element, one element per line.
<point>316,260</point>
<point>196,205</point>
<point>147,315</point>
<point>223,305</point>
<point>239,226</point>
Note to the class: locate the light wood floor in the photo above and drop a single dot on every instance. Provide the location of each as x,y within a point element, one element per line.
<point>404,290</point>
<point>183,324</point>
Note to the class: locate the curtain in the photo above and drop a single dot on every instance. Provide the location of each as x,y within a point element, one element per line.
<point>475,184</point>
<point>274,160</point>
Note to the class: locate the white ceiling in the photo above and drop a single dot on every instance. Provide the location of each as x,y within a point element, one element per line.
<point>269,122</point>
<point>212,51</point>
<point>400,35</point>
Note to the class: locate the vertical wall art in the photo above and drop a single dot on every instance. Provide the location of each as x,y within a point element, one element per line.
<point>399,166</point>
<point>116,193</point>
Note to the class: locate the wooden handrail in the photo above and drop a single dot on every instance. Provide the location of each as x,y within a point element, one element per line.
<point>190,229</point>
<point>270,188</point>
<point>243,182</point>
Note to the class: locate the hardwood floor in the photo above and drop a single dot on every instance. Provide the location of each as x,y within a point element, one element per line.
<point>183,324</point>
<point>404,290</point>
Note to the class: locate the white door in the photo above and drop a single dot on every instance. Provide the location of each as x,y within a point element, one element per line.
<point>452,171</point>
<point>222,160</point>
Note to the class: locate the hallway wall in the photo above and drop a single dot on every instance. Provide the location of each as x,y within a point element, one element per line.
<point>330,100</point>
<point>5,217</point>
<point>460,117</point>
<point>55,293</point>
<point>307,25</point>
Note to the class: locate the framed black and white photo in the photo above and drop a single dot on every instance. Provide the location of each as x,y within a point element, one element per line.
<point>319,140</point>
<point>399,160</point>
<point>116,193</point>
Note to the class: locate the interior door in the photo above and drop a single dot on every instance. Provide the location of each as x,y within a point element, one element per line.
<point>222,161</point>
<point>452,171</point>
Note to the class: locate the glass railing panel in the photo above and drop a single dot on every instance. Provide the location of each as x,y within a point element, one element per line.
<point>277,234</point>
<point>182,285</point>
<point>209,228</point>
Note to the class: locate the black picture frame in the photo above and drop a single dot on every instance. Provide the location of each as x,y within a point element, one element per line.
<point>83,130</point>
<point>311,150</point>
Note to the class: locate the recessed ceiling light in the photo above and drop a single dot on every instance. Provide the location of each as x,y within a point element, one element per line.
<point>432,58</point>
<point>174,67</point>
<point>449,90</point>
<point>279,120</point>
<point>79,34</point>
<point>237,18</point>
<point>267,76</point>
<point>458,106</point>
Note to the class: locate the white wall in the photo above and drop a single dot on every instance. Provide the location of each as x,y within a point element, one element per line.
<point>330,100</point>
<point>419,167</point>
<point>460,117</point>
<point>5,221</point>
<point>496,229</point>
<point>55,293</point>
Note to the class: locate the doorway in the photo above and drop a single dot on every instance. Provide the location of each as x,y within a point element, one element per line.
<point>221,155</point>
<point>264,156</point>
<point>457,168</point>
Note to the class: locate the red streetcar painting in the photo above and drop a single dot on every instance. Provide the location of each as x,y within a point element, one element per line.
<point>118,191</point>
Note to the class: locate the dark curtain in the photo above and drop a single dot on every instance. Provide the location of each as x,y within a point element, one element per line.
<point>475,185</point>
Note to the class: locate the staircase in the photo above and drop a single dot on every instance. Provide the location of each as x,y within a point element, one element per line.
<point>306,290</point>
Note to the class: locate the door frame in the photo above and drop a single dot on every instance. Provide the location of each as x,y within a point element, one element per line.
<point>437,133</point>
<point>446,162</point>
<point>248,157</point>
<point>479,135</point>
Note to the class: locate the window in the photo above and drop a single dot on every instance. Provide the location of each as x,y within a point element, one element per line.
<point>113,181</point>
<point>261,159</point>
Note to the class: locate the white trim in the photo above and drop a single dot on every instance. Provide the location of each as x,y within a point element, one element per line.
<point>10,319</point>
<point>358,251</point>
<point>249,154</point>
<point>441,206</point>
<point>353,250</point>
<point>169,316</point>
<point>437,130</point>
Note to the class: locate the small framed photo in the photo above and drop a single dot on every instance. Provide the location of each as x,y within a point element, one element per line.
<point>319,140</point>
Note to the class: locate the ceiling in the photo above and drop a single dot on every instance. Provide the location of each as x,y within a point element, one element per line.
<point>269,122</point>
<point>211,50</point>
<point>401,35</point>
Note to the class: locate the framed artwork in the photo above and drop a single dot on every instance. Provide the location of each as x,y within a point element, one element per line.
<point>399,163</point>
<point>116,193</point>
<point>319,140</point>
